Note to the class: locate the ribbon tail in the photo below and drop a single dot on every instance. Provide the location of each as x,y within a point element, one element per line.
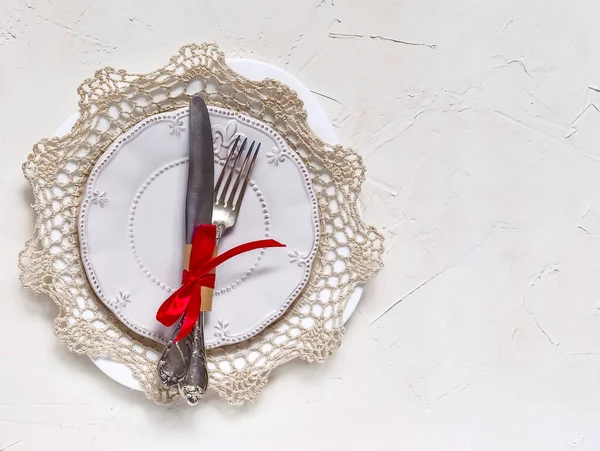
<point>175,306</point>
<point>191,315</point>
<point>242,248</point>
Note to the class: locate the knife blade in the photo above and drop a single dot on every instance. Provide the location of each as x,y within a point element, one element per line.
<point>201,174</point>
<point>184,363</point>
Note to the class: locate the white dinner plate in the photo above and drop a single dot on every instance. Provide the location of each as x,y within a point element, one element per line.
<point>132,228</point>
<point>318,121</point>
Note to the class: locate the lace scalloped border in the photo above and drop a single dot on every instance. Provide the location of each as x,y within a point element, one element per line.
<point>349,253</point>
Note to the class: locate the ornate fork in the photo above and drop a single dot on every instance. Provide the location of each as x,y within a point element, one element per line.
<point>229,193</point>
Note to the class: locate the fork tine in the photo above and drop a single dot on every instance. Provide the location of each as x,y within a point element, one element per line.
<point>231,174</point>
<point>238,201</point>
<point>227,161</point>
<point>240,177</point>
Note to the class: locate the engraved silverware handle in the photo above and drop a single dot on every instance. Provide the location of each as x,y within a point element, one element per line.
<point>173,363</point>
<point>195,382</point>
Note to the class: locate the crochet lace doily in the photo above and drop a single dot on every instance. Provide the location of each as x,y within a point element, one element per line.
<point>113,101</point>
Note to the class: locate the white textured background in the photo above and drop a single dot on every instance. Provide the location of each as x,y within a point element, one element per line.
<point>479,123</point>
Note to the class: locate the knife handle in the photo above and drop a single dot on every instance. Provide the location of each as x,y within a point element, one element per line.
<point>195,382</point>
<point>173,362</point>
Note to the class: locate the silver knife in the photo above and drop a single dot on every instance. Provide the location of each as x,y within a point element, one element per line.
<point>199,210</point>
<point>184,363</point>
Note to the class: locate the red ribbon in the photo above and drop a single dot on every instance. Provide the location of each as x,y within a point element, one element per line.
<point>187,299</point>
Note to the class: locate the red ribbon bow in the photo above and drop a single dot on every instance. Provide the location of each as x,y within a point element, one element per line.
<point>187,299</point>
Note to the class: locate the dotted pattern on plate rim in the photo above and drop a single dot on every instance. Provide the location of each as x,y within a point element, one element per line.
<point>131,235</point>
<point>109,155</point>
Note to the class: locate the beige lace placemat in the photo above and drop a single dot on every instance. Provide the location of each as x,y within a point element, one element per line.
<point>113,101</point>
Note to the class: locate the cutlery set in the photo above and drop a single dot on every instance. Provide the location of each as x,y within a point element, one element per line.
<point>183,362</point>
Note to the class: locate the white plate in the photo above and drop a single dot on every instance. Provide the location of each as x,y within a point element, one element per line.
<point>131,227</point>
<point>317,119</point>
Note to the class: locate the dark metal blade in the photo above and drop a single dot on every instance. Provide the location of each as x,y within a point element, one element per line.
<point>201,174</point>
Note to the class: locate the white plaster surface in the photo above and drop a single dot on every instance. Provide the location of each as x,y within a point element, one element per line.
<point>479,123</point>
